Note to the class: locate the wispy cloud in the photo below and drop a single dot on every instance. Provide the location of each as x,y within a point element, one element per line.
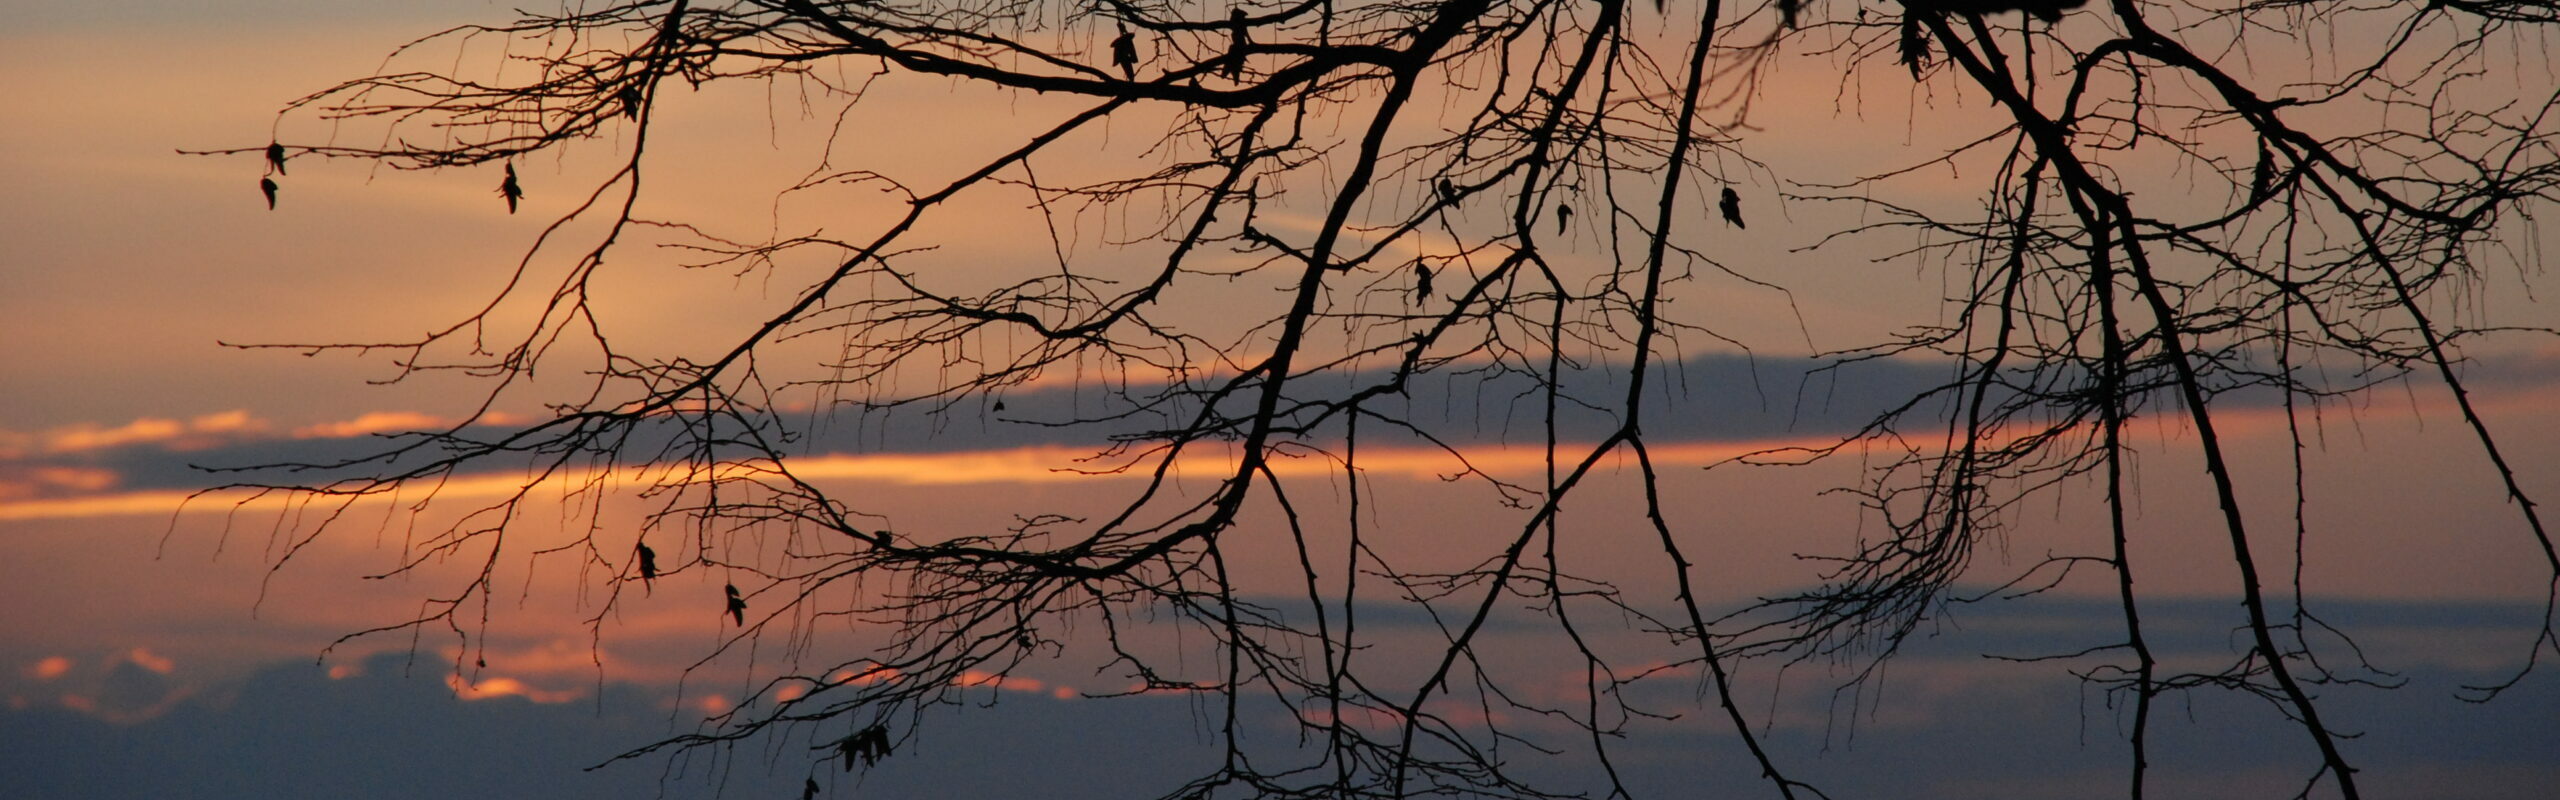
<point>176,434</point>
<point>209,431</point>
<point>372,423</point>
<point>20,482</point>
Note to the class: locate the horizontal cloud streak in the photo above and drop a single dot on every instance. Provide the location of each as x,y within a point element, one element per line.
<point>1712,398</point>
<point>1711,407</point>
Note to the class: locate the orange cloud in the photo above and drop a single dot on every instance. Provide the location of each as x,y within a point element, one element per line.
<point>968,679</point>
<point>371,423</point>
<point>27,483</point>
<point>209,429</point>
<point>151,661</point>
<point>867,677</point>
<point>100,506</point>
<point>1008,682</point>
<point>78,479</point>
<point>86,437</point>
<point>49,668</point>
<point>233,421</point>
<point>505,687</point>
<point>195,432</point>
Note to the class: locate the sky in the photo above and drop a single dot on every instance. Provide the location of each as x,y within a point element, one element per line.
<point>153,647</point>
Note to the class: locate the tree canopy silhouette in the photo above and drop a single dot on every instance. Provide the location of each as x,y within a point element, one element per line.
<point>1246,209</point>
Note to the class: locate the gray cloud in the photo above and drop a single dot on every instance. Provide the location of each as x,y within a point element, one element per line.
<point>2003,730</point>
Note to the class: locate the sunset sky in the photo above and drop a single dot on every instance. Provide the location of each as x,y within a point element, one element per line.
<point>150,648</point>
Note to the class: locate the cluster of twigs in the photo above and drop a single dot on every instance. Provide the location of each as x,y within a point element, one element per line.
<point>1297,154</point>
